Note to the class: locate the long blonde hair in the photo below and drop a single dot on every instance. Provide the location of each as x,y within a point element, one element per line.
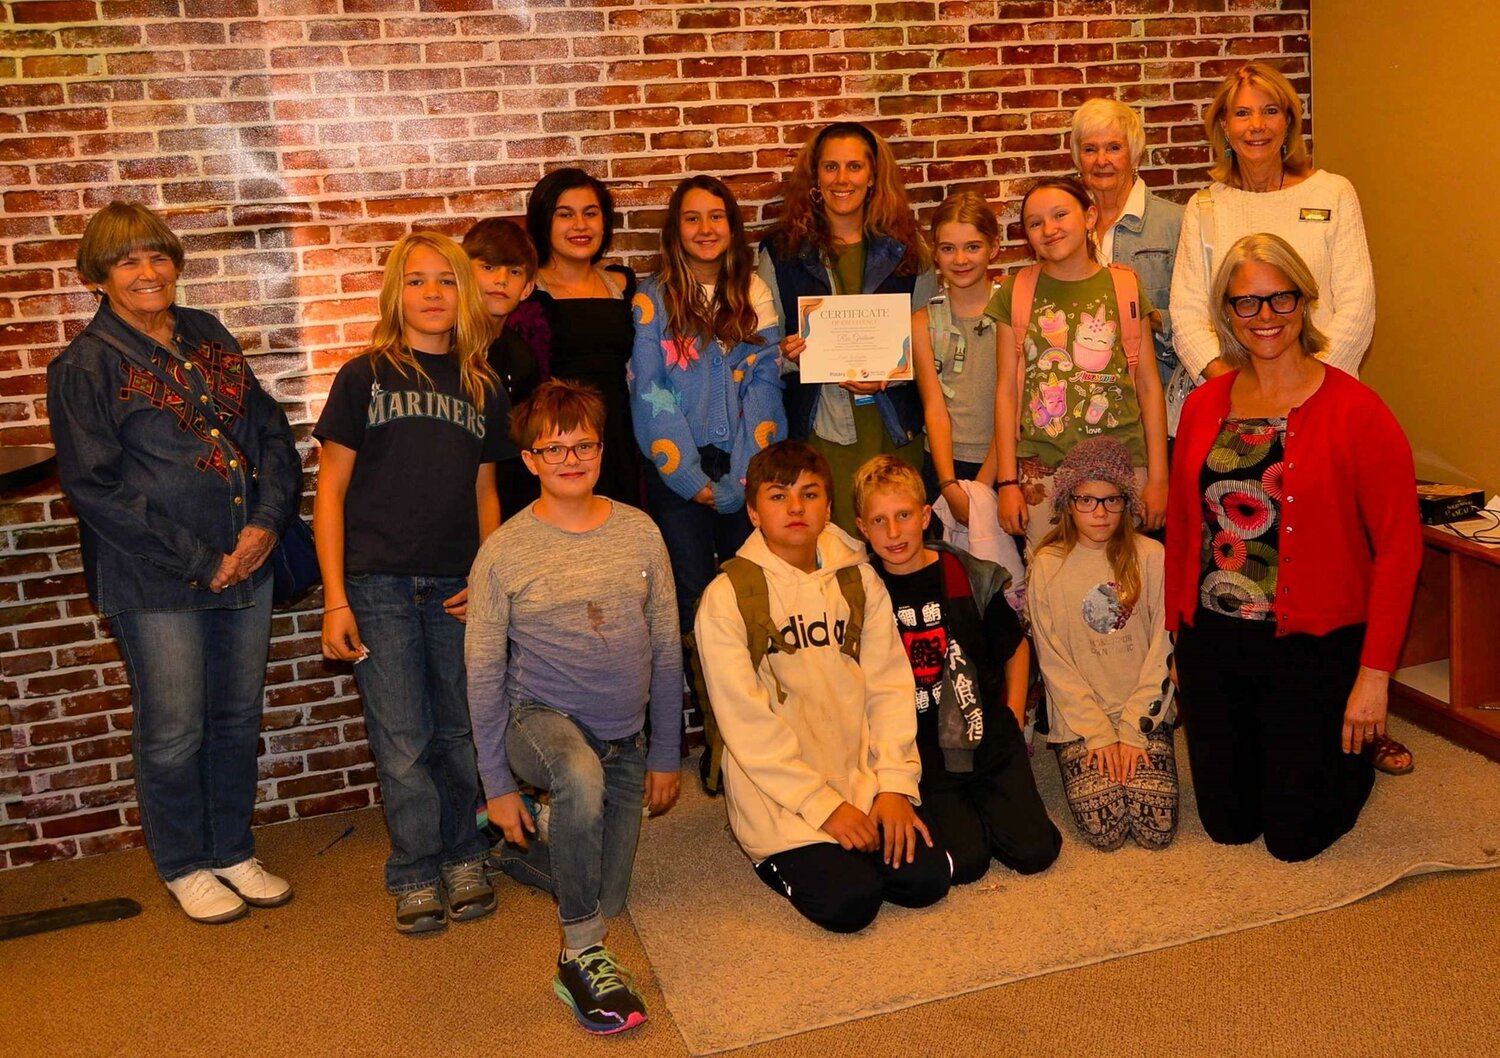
<point>1120,550</point>
<point>471,332</point>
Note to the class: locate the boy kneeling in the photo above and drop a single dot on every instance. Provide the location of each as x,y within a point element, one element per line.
<point>970,661</point>
<point>572,629</point>
<point>820,757</point>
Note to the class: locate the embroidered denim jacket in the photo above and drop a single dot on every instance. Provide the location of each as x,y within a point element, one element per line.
<point>1149,245</point>
<point>160,488</point>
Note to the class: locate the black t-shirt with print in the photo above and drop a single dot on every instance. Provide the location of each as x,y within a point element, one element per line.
<point>927,631</point>
<point>411,508</point>
<point>917,601</point>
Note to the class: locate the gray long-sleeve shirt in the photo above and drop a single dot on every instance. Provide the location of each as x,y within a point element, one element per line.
<point>585,623</point>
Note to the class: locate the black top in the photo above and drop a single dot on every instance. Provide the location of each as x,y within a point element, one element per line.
<point>514,361</point>
<point>931,622</point>
<point>592,339</point>
<point>411,508</point>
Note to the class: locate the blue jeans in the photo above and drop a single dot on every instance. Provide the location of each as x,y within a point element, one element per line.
<point>417,718</point>
<point>698,538</point>
<point>598,787</point>
<point>196,678</point>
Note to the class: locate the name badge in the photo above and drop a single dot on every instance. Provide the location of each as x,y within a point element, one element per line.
<point>1316,216</point>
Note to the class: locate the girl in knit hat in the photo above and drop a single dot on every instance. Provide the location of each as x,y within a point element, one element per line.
<point>1097,621</point>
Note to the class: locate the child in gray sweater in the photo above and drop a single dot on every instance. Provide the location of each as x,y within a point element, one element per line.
<point>572,632</point>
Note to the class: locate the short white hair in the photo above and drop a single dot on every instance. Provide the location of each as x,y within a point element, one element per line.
<point>1099,116</point>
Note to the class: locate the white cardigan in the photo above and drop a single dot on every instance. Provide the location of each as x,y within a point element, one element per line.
<point>1334,249</point>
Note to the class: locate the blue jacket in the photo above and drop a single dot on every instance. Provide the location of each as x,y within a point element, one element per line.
<point>1149,245</point>
<point>690,395</point>
<point>808,274</point>
<point>161,490</point>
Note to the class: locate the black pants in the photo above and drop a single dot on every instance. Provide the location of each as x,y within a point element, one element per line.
<point>992,811</point>
<point>1265,716</point>
<point>698,538</point>
<point>842,891</point>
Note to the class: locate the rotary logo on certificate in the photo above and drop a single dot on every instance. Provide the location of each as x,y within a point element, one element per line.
<point>855,338</point>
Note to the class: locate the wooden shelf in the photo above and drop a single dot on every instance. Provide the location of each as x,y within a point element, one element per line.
<point>1450,665</point>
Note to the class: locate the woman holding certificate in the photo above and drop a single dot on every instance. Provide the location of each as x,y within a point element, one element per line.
<point>846,228</point>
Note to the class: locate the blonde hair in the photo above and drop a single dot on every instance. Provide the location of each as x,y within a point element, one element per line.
<point>119,229</point>
<point>1264,248</point>
<point>1120,551</point>
<point>471,331</point>
<point>966,207</point>
<point>1098,116</point>
<point>1226,167</point>
<point>886,473</point>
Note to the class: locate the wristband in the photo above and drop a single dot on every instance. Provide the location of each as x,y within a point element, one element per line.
<point>944,484</point>
<point>335,609</point>
<point>1008,481</point>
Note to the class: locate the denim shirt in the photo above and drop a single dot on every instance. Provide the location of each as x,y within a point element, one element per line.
<point>1149,245</point>
<point>808,275</point>
<point>160,488</point>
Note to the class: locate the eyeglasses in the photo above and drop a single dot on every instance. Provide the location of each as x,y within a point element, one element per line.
<point>586,451</point>
<point>1113,504</point>
<point>1247,306</point>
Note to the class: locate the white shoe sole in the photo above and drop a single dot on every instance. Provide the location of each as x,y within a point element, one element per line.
<point>219,919</point>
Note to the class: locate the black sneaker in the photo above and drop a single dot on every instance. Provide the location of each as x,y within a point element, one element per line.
<point>598,991</point>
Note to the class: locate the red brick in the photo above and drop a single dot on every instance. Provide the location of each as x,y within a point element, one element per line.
<point>54,11</point>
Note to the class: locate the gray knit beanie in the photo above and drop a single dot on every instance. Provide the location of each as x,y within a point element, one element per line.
<point>1096,459</point>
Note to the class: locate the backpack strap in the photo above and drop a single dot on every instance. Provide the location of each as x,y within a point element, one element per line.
<point>1128,304</point>
<point>753,596</point>
<point>941,334</point>
<point>853,587</point>
<point>1022,293</point>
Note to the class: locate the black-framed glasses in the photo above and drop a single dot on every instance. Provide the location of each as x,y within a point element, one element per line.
<point>586,451</point>
<point>1247,306</point>
<point>1086,504</point>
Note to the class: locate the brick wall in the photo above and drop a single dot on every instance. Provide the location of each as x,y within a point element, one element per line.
<point>290,141</point>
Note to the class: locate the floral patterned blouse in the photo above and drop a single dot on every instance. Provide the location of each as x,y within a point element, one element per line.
<point>1241,483</point>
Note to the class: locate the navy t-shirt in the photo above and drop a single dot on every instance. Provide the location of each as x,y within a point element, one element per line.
<point>411,508</point>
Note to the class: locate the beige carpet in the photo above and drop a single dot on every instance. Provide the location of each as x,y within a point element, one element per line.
<point>720,941</point>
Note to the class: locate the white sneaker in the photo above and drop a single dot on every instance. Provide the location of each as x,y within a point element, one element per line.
<point>204,898</point>
<point>258,886</point>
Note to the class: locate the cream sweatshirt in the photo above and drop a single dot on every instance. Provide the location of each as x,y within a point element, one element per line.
<point>812,729</point>
<point>1320,217</point>
<point>1105,667</point>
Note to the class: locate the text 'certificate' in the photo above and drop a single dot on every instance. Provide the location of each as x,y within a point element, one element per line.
<point>855,338</point>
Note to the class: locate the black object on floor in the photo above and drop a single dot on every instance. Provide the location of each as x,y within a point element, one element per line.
<point>24,925</point>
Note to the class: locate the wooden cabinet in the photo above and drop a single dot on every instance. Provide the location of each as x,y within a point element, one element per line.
<point>1449,678</point>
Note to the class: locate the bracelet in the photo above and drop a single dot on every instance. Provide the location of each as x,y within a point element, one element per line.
<point>335,609</point>
<point>1008,481</point>
<point>944,484</point>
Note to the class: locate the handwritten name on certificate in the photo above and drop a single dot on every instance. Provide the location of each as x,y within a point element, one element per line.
<point>855,338</point>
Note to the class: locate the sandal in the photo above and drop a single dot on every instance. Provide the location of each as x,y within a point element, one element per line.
<point>1392,757</point>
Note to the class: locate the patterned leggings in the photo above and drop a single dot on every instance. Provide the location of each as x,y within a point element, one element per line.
<point>1108,812</point>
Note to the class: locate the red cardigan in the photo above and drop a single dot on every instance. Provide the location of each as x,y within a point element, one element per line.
<point>1350,539</point>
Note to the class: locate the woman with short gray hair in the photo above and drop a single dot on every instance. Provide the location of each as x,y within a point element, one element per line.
<point>1136,227</point>
<point>184,473</point>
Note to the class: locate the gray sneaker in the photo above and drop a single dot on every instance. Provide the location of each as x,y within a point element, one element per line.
<point>420,911</point>
<point>470,894</point>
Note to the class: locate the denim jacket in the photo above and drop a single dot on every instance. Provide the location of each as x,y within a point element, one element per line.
<point>160,488</point>
<point>1149,245</point>
<point>808,275</point>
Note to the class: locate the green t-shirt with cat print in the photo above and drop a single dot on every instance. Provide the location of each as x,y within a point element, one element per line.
<point>1077,381</point>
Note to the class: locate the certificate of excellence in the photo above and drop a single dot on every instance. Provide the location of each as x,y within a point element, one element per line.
<point>855,338</point>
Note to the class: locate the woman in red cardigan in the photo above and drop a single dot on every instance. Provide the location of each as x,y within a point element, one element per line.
<point>1293,546</point>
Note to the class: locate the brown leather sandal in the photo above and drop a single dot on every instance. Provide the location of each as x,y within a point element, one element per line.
<point>1392,757</point>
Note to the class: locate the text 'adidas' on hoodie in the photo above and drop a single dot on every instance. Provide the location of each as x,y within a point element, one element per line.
<point>813,728</point>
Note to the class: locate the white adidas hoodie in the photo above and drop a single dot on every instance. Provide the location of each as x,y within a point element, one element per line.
<point>812,729</point>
